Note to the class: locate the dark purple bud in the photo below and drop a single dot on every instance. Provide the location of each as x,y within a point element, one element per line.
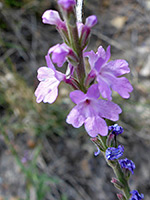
<point>127,164</point>
<point>116,129</point>
<point>136,195</point>
<point>114,153</point>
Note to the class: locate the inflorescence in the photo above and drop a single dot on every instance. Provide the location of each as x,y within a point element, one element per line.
<point>88,85</point>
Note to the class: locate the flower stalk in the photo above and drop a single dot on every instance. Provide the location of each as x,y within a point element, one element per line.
<point>89,86</point>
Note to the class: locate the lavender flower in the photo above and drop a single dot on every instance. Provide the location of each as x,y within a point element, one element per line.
<point>127,164</point>
<point>90,111</point>
<point>60,52</point>
<point>136,195</point>
<point>85,29</point>
<point>52,17</point>
<point>106,73</point>
<point>114,153</point>
<point>116,129</point>
<point>50,78</point>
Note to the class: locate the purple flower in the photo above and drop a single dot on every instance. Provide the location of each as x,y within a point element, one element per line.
<point>136,195</point>
<point>114,153</point>
<point>108,74</point>
<point>85,29</point>
<point>116,129</point>
<point>67,4</point>
<point>52,17</point>
<point>50,78</point>
<point>127,164</point>
<point>90,111</point>
<point>60,52</point>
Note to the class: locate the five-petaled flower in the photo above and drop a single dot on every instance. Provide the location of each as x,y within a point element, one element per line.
<point>90,111</point>
<point>50,78</point>
<point>108,74</point>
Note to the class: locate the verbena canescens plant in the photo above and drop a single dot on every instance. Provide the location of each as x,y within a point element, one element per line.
<point>88,88</point>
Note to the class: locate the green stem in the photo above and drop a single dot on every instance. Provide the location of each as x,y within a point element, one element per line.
<point>70,19</point>
<point>120,176</point>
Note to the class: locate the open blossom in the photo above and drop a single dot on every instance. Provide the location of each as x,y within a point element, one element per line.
<point>90,111</point>
<point>108,74</point>
<point>50,78</point>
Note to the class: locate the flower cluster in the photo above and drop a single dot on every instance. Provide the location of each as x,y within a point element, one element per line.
<point>89,86</point>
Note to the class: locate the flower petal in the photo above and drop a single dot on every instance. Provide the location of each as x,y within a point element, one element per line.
<point>49,62</point>
<point>104,88</point>
<point>96,125</point>
<point>51,96</point>
<point>120,85</point>
<point>117,67</point>
<point>92,57</point>
<point>93,92</point>
<point>75,117</point>
<point>45,73</point>
<point>47,90</point>
<point>108,110</point>
<point>77,96</point>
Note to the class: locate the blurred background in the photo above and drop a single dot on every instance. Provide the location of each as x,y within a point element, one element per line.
<point>41,157</point>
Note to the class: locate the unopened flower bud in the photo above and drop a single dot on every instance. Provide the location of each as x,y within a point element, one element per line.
<point>117,183</point>
<point>52,17</point>
<point>121,197</point>
<point>110,140</point>
<point>67,5</point>
<point>98,144</point>
<point>91,21</point>
<point>114,153</point>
